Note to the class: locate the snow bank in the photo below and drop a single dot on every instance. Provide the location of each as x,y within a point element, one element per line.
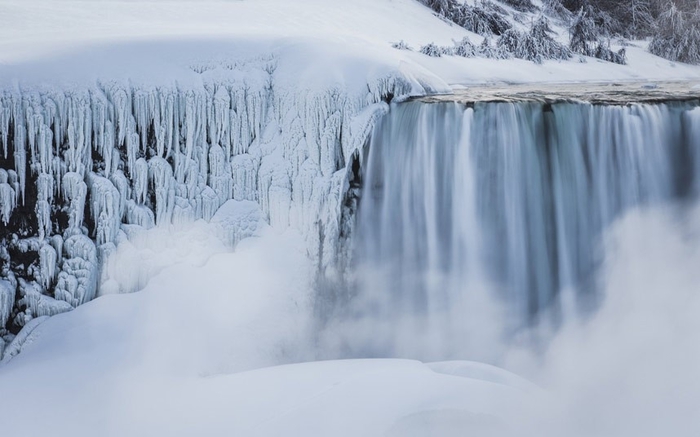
<point>189,343</point>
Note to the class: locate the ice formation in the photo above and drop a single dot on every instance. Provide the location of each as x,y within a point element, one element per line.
<point>7,300</point>
<point>79,164</point>
<point>238,219</point>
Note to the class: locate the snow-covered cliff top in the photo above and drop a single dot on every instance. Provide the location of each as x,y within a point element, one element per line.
<point>43,40</point>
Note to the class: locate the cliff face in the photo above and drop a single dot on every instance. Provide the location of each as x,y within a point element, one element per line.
<point>85,166</point>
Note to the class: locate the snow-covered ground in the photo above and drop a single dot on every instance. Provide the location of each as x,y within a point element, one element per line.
<point>177,358</point>
<point>37,29</point>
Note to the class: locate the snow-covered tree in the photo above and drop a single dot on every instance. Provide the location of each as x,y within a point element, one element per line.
<point>432,50</point>
<point>484,18</point>
<point>586,40</point>
<point>401,45</point>
<point>604,52</point>
<point>488,50</point>
<point>639,18</point>
<point>583,35</point>
<point>465,48</point>
<point>555,9</point>
<point>536,45</point>
<point>510,42</point>
<point>678,35</point>
<point>521,5</point>
<point>441,7</point>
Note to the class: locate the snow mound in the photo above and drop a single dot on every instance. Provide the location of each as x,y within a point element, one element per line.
<point>484,372</point>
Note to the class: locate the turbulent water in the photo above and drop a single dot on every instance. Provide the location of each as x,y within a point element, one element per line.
<point>507,202</point>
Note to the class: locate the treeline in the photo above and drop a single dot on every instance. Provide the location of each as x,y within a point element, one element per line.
<point>672,25</point>
<point>535,45</point>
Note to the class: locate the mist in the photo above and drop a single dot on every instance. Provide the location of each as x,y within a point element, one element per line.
<point>631,369</point>
<point>628,368</point>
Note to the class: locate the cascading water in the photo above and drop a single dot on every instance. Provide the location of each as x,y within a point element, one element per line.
<point>503,202</point>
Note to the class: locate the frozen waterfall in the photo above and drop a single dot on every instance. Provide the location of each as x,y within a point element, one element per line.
<point>83,169</point>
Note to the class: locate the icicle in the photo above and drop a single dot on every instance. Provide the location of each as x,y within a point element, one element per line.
<point>37,304</point>
<point>45,146</point>
<point>75,191</point>
<point>274,189</point>
<point>122,184</point>
<point>78,155</point>
<point>59,170</point>
<point>184,212</point>
<point>7,301</point>
<point>122,108</point>
<point>45,187</point>
<point>210,203</point>
<point>104,208</point>
<point>139,215</point>
<point>132,144</point>
<point>190,124</point>
<point>47,265</point>
<point>5,115</point>
<point>244,177</point>
<point>8,200</point>
<point>43,217</point>
<point>107,150</point>
<point>221,120</point>
<point>56,242</point>
<point>141,101</point>
<point>161,176</point>
<point>220,174</point>
<point>13,181</point>
<point>21,161</point>
<point>77,281</point>
<point>139,176</point>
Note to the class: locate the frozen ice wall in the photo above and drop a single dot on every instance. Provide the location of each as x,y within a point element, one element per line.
<point>79,163</point>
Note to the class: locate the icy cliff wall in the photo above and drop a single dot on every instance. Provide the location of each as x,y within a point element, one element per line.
<point>79,164</point>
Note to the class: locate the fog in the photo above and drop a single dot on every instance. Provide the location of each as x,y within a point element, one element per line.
<point>632,369</point>
<point>628,369</point>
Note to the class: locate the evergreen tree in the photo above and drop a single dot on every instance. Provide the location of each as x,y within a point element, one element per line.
<point>521,5</point>
<point>465,48</point>
<point>431,50</point>
<point>536,45</point>
<point>583,34</point>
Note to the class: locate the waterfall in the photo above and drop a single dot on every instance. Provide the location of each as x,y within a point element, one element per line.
<point>507,202</point>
